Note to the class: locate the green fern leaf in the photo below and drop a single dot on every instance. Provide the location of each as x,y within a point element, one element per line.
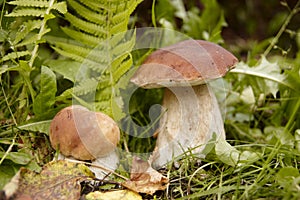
<point>82,37</point>
<point>122,69</point>
<point>122,47</point>
<point>121,17</point>
<point>95,6</point>
<point>86,13</point>
<point>102,44</point>
<point>30,3</point>
<point>79,50</point>
<point>85,87</point>
<point>120,27</point>
<point>15,55</point>
<point>33,39</point>
<point>118,61</point>
<point>92,58</point>
<point>103,83</point>
<point>60,7</point>
<point>25,29</point>
<point>104,106</point>
<point>104,94</point>
<point>93,65</point>
<point>69,54</point>
<point>86,26</point>
<point>21,12</point>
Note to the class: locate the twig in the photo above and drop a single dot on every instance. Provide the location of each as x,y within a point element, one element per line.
<point>283,28</point>
<point>100,167</point>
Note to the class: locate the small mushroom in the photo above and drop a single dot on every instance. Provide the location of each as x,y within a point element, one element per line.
<point>85,135</point>
<point>192,113</point>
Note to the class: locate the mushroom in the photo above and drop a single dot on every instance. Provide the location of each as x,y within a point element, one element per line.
<point>191,111</point>
<point>85,135</point>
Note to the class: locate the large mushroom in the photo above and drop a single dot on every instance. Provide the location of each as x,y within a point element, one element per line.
<point>191,111</point>
<point>85,135</point>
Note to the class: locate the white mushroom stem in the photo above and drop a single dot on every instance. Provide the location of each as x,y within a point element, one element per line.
<point>191,117</point>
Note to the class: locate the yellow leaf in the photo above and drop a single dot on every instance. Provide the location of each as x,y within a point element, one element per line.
<point>114,195</point>
<point>58,180</point>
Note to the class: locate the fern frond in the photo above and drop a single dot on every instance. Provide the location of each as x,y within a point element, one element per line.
<point>117,28</point>
<point>76,57</point>
<point>22,12</point>
<point>104,94</point>
<point>103,106</point>
<point>86,13</point>
<point>103,83</point>
<point>14,55</point>
<point>33,39</point>
<point>120,17</point>
<point>122,69</point>
<point>26,28</point>
<point>119,49</point>
<point>85,86</point>
<point>29,40</point>
<point>101,42</point>
<point>118,61</point>
<point>30,3</point>
<point>79,50</point>
<point>60,7</point>
<point>97,59</point>
<point>82,37</point>
<point>87,26</point>
<point>95,6</point>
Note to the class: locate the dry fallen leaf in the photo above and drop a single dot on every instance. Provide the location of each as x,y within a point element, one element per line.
<point>114,195</point>
<point>58,180</point>
<point>145,179</point>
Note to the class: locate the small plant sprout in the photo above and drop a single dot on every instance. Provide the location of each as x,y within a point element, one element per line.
<point>192,113</point>
<point>85,135</point>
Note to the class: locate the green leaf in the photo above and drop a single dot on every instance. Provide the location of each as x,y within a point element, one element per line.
<point>69,69</point>
<point>60,7</point>
<point>286,175</point>
<point>26,28</point>
<point>270,72</point>
<point>30,3</point>
<point>297,140</point>
<point>27,12</point>
<point>21,158</point>
<point>14,55</point>
<point>46,98</point>
<point>41,126</point>
<point>227,153</point>
<point>7,171</point>
<point>116,106</point>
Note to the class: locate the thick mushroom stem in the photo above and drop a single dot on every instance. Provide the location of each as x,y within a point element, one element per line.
<point>191,117</point>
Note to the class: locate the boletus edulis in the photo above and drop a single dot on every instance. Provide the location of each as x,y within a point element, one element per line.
<point>85,135</point>
<point>191,111</point>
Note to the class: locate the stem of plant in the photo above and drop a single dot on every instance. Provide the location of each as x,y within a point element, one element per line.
<point>291,121</point>
<point>283,28</point>
<point>6,101</point>
<point>41,33</point>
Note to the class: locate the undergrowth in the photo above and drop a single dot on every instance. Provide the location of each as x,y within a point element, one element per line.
<point>58,53</point>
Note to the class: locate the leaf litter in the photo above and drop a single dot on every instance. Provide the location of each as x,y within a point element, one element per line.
<point>145,179</point>
<point>57,180</point>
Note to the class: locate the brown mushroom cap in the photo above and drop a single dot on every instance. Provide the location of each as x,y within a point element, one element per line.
<point>85,135</point>
<point>190,62</point>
